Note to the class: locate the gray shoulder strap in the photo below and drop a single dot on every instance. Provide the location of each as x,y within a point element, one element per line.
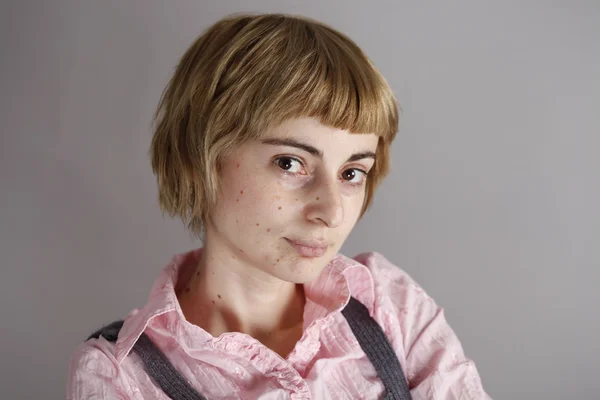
<point>378,349</point>
<point>157,365</point>
<point>163,372</point>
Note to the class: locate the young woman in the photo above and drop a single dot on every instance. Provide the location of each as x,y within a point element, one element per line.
<point>270,141</point>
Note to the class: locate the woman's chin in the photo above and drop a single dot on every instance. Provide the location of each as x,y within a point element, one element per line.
<point>305,269</point>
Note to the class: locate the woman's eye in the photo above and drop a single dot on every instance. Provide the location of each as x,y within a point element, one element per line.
<point>289,164</point>
<point>354,175</point>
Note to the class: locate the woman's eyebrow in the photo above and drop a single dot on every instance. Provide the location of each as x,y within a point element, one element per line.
<point>360,156</point>
<point>294,143</point>
<point>313,150</point>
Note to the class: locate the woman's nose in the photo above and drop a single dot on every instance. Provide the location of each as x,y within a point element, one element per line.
<point>326,204</point>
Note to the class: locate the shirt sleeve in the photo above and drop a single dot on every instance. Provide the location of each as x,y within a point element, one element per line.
<point>94,374</point>
<point>435,365</point>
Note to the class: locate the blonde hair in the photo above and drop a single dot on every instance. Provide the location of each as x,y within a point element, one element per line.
<point>249,73</point>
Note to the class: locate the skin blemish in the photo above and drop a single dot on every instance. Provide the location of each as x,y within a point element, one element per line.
<point>241,192</point>
<point>238,200</point>
<point>241,251</point>
<point>279,208</point>
<point>219,296</point>
<point>278,260</point>
<point>317,198</point>
<point>238,165</point>
<point>187,289</point>
<point>257,224</point>
<point>198,273</point>
<point>268,229</point>
<point>213,302</point>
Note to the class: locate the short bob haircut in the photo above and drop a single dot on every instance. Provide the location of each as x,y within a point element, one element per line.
<point>247,74</point>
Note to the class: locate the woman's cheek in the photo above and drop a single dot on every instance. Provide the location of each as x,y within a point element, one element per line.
<point>288,182</point>
<point>354,197</point>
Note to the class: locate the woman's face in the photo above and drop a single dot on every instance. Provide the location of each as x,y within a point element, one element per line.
<point>289,200</point>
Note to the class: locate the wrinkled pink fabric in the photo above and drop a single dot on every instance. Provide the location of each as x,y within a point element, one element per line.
<point>327,362</point>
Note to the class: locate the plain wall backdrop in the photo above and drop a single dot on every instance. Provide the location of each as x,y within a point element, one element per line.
<point>492,204</point>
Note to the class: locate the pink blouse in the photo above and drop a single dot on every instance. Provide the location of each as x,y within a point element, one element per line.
<point>327,362</point>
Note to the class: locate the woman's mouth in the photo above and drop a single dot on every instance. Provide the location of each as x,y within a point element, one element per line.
<point>309,248</point>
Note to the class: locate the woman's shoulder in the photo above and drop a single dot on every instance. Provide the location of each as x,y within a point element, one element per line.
<point>92,352</point>
<point>92,360</point>
<point>384,271</point>
<point>392,283</point>
<point>94,367</point>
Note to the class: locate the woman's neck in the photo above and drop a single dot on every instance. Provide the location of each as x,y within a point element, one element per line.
<point>226,294</point>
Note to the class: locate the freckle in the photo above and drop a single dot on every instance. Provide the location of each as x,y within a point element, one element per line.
<point>213,273</point>
<point>296,199</point>
<point>279,208</point>
<point>268,229</point>
<point>241,192</point>
<point>238,200</point>
<point>278,260</point>
<point>241,251</point>
<point>198,273</point>
<point>213,302</point>
<point>238,165</point>
<point>317,198</point>
<point>219,296</point>
<point>257,224</point>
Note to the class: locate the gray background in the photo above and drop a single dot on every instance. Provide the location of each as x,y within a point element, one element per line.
<point>491,205</point>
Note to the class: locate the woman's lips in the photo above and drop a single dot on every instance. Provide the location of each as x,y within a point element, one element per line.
<point>309,248</point>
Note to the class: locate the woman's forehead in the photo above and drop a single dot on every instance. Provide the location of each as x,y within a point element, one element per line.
<point>312,133</point>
